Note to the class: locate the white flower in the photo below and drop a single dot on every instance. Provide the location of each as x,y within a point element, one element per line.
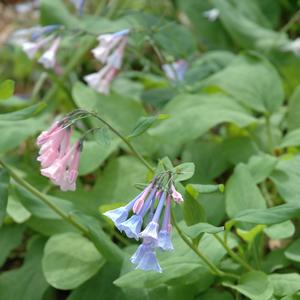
<point>293,46</point>
<point>212,14</point>
<point>48,59</point>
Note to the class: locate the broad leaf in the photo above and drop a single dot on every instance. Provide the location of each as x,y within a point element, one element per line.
<point>184,171</point>
<point>286,178</point>
<point>10,238</point>
<point>280,231</point>
<point>195,230</point>
<point>293,109</point>
<point>252,81</point>
<point>69,260</point>
<point>254,285</point>
<point>285,284</point>
<point>291,139</point>
<point>241,192</point>
<point>192,115</point>
<point>293,251</point>
<point>269,216</point>
<point>27,282</point>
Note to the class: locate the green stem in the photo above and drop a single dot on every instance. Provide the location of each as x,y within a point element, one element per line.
<point>37,87</point>
<point>106,247</point>
<point>213,268</point>
<point>290,23</point>
<point>233,255</point>
<point>126,141</point>
<point>269,133</point>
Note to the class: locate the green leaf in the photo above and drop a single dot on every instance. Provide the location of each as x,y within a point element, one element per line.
<point>291,139</point>
<point>16,210</point>
<point>99,287</point>
<point>252,81</point>
<point>10,237</point>
<point>254,285</point>
<point>93,155</point>
<point>113,186</point>
<point>6,89</point>
<point>26,282</point>
<point>4,183</point>
<point>195,230</point>
<point>175,39</point>
<point>69,260</point>
<point>12,136</point>
<point>293,109</point>
<point>261,166</point>
<point>145,123</point>
<point>269,216</point>
<point>245,31</point>
<point>280,231</point>
<point>55,12</point>
<point>193,211</point>
<point>184,171</point>
<point>214,294</point>
<point>241,192</point>
<point>285,284</point>
<point>250,235</point>
<point>286,178</point>
<point>293,251</point>
<point>107,106</point>
<point>192,115</point>
<point>24,113</point>
<point>196,189</point>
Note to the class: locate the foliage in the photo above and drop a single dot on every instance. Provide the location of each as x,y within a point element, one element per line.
<point>228,132</point>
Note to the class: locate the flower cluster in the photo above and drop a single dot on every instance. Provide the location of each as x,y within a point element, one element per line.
<point>35,39</point>
<point>59,159</point>
<point>147,210</point>
<point>109,52</point>
<point>176,70</point>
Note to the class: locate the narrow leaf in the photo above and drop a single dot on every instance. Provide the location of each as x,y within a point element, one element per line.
<point>24,113</point>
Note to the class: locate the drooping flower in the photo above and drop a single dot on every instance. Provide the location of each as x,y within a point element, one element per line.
<point>145,221</point>
<point>110,52</point>
<point>59,159</point>
<point>38,38</point>
<point>176,195</point>
<point>101,80</point>
<point>176,70</point>
<point>212,14</point>
<point>48,59</point>
<point>293,46</point>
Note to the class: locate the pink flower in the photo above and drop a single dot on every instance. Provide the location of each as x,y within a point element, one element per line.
<point>59,160</point>
<point>177,197</point>
<point>101,80</point>
<point>110,52</point>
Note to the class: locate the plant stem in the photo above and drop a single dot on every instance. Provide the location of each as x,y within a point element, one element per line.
<point>269,133</point>
<point>213,269</point>
<point>106,247</point>
<point>233,255</point>
<point>290,23</point>
<point>126,141</point>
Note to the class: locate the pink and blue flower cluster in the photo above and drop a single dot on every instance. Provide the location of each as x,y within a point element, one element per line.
<point>148,217</point>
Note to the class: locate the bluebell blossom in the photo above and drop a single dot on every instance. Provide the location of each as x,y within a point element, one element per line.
<point>293,46</point>
<point>150,221</point>
<point>176,70</point>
